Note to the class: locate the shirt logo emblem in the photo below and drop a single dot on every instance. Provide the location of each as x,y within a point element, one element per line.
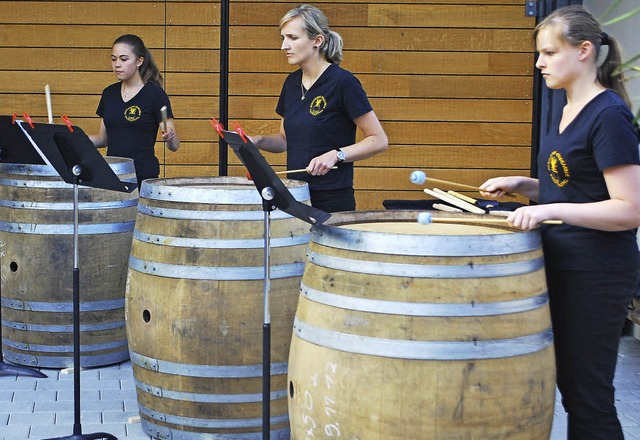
<point>558,169</point>
<point>133,113</point>
<point>317,105</point>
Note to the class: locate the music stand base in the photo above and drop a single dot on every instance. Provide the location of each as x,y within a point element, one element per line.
<point>18,369</point>
<point>95,435</point>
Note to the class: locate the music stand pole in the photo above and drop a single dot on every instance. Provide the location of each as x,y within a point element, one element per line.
<point>76,170</point>
<point>274,195</point>
<point>267,195</point>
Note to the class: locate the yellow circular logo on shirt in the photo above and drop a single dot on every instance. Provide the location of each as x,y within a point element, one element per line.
<point>132,113</point>
<point>317,105</point>
<point>558,169</point>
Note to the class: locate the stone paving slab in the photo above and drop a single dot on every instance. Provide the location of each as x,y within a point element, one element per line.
<point>34,408</point>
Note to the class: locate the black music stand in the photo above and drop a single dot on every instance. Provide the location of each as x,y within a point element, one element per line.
<point>274,195</point>
<point>72,154</point>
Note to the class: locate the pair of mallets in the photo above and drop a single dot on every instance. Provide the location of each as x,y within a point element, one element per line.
<point>420,177</point>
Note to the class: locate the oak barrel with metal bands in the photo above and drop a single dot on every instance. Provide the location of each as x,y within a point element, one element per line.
<point>421,331</point>
<point>36,248</point>
<point>195,306</point>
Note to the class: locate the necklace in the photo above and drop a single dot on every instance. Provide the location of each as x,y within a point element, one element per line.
<point>303,91</point>
<point>126,93</point>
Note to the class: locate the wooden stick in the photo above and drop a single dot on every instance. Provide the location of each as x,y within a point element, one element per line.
<point>494,220</point>
<point>462,197</point>
<point>439,194</point>
<point>441,207</point>
<point>462,185</point>
<point>163,112</point>
<point>47,94</point>
<point>300,170</point>
<point>449,183</point>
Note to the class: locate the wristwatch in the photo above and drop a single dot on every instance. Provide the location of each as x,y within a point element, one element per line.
<point>340,154</point>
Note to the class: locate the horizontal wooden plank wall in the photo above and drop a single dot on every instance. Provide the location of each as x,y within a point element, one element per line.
<point>450,80</point>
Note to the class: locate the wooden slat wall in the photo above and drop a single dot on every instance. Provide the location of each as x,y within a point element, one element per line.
<point>450,80</point>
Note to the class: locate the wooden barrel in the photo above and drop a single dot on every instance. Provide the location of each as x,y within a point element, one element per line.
<point>36,239</point>
<point>195,308</point>
<point>412,331</point>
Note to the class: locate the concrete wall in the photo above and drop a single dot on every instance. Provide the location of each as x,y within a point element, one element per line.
<point>624,33</point>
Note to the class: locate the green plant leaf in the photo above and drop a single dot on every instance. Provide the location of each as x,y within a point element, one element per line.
<point>611,8</point>
<point>622,17</point>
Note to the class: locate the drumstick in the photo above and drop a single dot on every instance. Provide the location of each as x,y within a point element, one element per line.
<point>441,207</point>
<point>300,170</point>
<point>425,218</point>
<point>419,177</point>
<point>163,112</point>
<point>462,197</point>
<point>47,94</point>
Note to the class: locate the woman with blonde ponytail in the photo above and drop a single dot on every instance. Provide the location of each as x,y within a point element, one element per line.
<point>321,105</point>
<point>131,108</point>
<point>589,175</point>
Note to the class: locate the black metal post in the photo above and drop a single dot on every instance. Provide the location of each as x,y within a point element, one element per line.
<point>223,112</point>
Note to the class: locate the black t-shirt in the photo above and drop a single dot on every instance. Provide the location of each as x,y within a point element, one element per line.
<point>321,122</point>
<point>571,166</point>
<point>132,127</point>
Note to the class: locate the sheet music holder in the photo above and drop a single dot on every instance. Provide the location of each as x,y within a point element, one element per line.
<point>14,146</point>
<point>263,177</point>
<point>56,145</point>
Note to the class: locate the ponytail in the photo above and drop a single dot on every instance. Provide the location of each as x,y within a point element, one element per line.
<point>609,73</point>
<point>316,23</point>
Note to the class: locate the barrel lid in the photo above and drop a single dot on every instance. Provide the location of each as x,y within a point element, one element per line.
<point>398,233</point>
<point>214,190</point>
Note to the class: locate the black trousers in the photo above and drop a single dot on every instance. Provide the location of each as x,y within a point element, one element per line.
<point>334,200</point>
<point>588,310</point>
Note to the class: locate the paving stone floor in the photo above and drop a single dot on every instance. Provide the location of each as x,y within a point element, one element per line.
<point>32,408</point>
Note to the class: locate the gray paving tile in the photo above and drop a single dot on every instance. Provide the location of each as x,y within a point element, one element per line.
<point>14,432</point>
<point>16,385</point>
<point>119,395</point>
<point>86,417</point>
<point>85,395</point>
<point>32,419</point>
<point>118,416</point>
<point>54,384</point>
<point>22,406</point>
<point>86,374</point>
<point>35,396</point>
<point>6,396</point>
<point>631,432</point>
<point>51,431</point>
<point>58,405</point>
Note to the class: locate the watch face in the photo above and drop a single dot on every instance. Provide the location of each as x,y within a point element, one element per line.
<point>340,156</point>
